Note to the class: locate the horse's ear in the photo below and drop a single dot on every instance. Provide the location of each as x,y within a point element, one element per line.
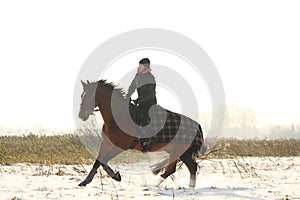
<point>88,82</point>
<point>83,83</point>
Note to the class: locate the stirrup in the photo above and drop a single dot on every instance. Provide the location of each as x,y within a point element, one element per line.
<point>146,145</point>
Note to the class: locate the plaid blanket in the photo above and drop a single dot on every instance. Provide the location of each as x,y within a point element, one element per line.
<point>167,126</point>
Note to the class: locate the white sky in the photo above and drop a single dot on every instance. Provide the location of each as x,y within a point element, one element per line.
<point>255,46</point>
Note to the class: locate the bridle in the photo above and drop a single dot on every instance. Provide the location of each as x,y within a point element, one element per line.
<point>96,110</point>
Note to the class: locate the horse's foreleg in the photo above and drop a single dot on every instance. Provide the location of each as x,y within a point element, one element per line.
<point>106,155</point>
<point>107,151</point>
<point>91,175</point>
<point>116,176</point>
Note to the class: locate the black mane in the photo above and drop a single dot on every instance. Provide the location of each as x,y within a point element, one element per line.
<point>111,86</point>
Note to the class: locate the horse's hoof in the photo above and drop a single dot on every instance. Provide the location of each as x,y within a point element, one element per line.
<point>160,180</point>
<point>82,184</point>
<point>192,183</point>
<point>117,176</point>
<point>155,172</point>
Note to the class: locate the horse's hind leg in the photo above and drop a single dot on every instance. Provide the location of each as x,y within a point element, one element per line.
<point>174,150</point>
<point>174,153</point>
<point>192,167</point>
<point>170,169</point>
<point>158,167</point>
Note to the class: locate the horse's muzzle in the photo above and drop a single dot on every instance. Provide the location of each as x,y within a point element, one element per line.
<point>83,117</point>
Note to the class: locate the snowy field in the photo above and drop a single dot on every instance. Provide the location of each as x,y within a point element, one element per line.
<point>240,178</point>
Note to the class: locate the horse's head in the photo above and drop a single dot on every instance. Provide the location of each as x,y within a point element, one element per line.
<point>88,101</point>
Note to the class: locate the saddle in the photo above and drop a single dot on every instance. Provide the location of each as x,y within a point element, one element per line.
<point>137,114</point>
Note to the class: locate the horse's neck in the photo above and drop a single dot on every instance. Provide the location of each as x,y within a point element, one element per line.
<point>107,116</point>
<point>107,113</point>
<point>116,114</point>
<point>106,104</point>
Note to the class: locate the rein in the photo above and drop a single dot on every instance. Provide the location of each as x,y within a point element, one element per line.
<point>98,108</point>
<point>135,139</point>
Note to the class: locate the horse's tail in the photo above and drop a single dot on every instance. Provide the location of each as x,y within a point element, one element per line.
<point>199,149</point>
<point>208,146</point>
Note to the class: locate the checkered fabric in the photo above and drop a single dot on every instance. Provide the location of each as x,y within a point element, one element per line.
<point>167,126</point>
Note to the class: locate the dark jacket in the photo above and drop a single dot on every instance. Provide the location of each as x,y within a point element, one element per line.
<point>145,85</point>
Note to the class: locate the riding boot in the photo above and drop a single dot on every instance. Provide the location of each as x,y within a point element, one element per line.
<point>146,144</point>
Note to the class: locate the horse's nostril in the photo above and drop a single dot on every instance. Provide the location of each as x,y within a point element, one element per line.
<point>81,116</point>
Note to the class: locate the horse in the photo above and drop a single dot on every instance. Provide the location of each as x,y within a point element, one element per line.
<point>98,95</point>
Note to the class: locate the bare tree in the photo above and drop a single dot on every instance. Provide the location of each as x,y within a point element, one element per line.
<point>240,122</point>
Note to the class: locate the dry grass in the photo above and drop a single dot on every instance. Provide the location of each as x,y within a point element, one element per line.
<point>258,148</point>
<point>68,149</point>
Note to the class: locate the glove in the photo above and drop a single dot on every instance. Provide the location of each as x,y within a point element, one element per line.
<point>136,101</point>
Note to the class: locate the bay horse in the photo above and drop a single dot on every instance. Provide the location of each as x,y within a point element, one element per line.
<point>98,95</point>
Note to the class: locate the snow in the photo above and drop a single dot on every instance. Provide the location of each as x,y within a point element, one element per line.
<point>249,178</point>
